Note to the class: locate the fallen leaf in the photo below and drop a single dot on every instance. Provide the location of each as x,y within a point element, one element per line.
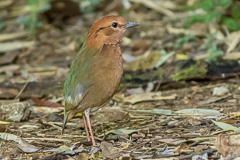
<point>9,46</point>
<point>9,137</point>
<point>232,56</point>
<point>83,156</point>
<point>225,148</point>
<point>149,60</point>
<point>28,126</point>
<point>226,126</point>
<point>70,151</point>
<point>121,132</point>
<point>108,151</point>
<point>157,6</point>
<point>144,97</point>
<point>45,110</point>
<point>155,111</point>
<point>4,122</point>
<point>197,112</point>
<point>9,69</point>
<point>200,157</point>
<point>4,126</point>
<point>9,36</point>
<point>233,40</point>
<point>48,103</point>
<point>63,148</point>
<point>192,30</point>
<point>212,100</point>
<point>26,147</point>
<point>8,58</point>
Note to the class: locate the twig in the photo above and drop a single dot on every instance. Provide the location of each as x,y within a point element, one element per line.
<point>23,88</point>
<point>49,139</point>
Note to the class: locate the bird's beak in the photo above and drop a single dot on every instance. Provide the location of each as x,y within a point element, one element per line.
<point>131,24</point>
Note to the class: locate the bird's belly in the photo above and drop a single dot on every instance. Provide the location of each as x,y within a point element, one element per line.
<point>108,83</point>
<point>104,86</point>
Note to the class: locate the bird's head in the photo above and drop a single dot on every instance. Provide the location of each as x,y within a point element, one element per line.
<point>108,30</point>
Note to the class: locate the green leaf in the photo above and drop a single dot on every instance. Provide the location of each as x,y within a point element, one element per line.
<point>163,59</point>
<point>214,10</point>
<point>224,3</point>
<point>9,137</point>
<point>214,54</point>
<point>226,126</point>
<point>63,148</point>
<point>121,132</point>
<point>198,112</point>
<point>193,71</point>
<point>155,111</point>
<point>207,5</point>
<point>1,25</point>
<point>180,42</point>
<point>4,122</point>
<point>232,24</point>
<point>88,5</point>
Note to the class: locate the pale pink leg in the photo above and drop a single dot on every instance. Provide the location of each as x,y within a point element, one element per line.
<point>86,127</point>
<point>89,125</point>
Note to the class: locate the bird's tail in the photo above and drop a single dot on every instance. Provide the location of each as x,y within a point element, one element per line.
<point>65,119</point>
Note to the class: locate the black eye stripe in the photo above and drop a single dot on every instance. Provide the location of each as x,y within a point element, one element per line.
<point>114,25</point>
<point>100,29</point>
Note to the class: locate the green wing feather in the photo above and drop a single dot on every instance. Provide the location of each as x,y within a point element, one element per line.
<point>77,81</point>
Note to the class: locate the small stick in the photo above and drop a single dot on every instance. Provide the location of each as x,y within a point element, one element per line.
<point>19,93</point>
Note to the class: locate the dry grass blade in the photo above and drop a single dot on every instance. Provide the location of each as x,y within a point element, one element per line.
<point>10,36</point>
<point>23,88</point>
<point>153,5</point>
<point>10,46</point>
<point>49,139</point>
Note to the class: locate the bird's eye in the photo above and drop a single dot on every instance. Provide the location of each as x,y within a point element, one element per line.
<point>114,24</point>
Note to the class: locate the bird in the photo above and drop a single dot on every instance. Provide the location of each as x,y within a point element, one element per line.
<point>96,71</point>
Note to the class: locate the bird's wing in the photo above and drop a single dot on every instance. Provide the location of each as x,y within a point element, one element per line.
<point>78,81</point>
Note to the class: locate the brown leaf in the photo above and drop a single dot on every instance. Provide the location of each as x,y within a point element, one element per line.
<point>8,58</point>
<point>108,151</point>
<point>144,97</point>
<point>3,127</point>
<point>141,45</point>
<point>83,156</point>
<point>43,102</point>
<point>228,145</point>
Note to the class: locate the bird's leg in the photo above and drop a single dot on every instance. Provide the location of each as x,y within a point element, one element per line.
<point>86,127</point>
<point>87,112</point>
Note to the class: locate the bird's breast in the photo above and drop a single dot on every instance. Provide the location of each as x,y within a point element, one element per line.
<point>107,70</point>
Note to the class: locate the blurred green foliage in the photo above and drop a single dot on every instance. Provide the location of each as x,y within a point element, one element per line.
<point>211,44</point>
<point>1,25</point>
<point>193,71</point>
<point>187,38</point>
<point>31,19</point>
<point>215,11</point>
<point>88,5</point>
